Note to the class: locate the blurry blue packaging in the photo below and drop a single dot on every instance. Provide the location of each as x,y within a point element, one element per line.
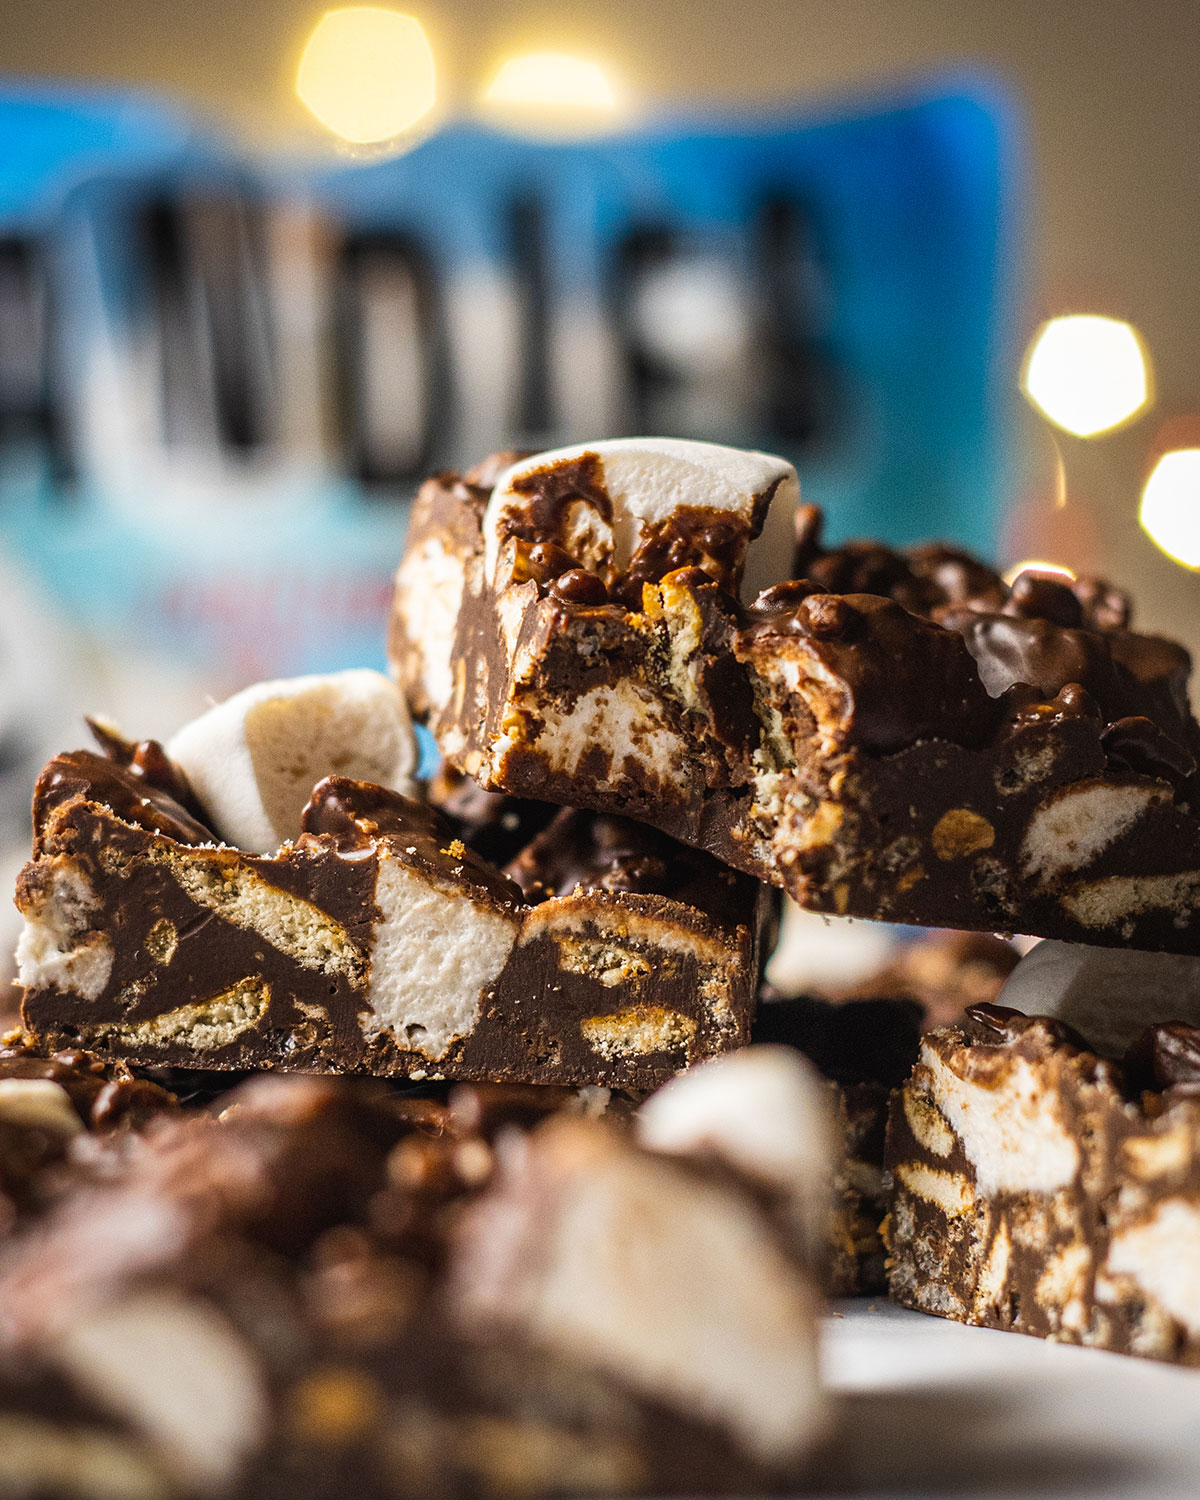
<point>221,380</point>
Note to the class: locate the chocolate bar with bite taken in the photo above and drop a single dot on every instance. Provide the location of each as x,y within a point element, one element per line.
<point>375,940</point>
<point>890,735</point>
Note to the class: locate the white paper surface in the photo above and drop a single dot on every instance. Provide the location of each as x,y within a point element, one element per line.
<point>935,1409</point>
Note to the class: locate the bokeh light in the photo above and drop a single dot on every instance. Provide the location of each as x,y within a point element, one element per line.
<point>367,73</point>
<point>1170,509</point>
<point>1087,373</point>
<point>553,90</point>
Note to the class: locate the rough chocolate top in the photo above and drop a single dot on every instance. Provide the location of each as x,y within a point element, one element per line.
<point>103,1094</point>
<point>495,826</point>
<point>1164,1060</point>
<point>553,552</point>
<point>927,642</point>
<point>359,816</point>
<point>37,1138</point>
<point>594,851</point>
<point>132,793</point>
<point>892,678</point>
<point>1040,641</point>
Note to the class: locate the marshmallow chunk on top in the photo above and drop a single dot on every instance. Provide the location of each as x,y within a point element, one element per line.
<point>763,1111</point>
<point>675,1283</point>
<point>253,760</point>
<point>649,478</point>
<point>1109,995</point>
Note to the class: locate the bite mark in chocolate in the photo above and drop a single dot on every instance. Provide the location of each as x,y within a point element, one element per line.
<point>899,736</point>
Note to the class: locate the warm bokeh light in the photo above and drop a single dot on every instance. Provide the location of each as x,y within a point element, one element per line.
<point>367,73</point>
<point>1088,374</point>
<point>553,88</point>
<point>1170,509</point>
<point>1036,565</point>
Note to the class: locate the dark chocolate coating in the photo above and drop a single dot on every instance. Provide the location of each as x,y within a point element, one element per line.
<point>495,826</point>
<point>309,1230</point>
<point>110,1102</point>
<point>853,1042</point>
<point>579,851</point>
<point>1165,1057</point>
<point>881,737</point>
<point>1045,1259</point>
<point>131,795</point>
<point>618,980</point>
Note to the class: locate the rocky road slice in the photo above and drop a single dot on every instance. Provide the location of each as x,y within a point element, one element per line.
<point>331,1288</point>
<point>1038,1187</point>
<point>376,940</point>
<point>892,735</point>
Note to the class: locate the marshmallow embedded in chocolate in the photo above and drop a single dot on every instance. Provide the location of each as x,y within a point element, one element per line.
<point>253,760</point>
<point>764,1112</point>
<point>293,1297</point>
<point>377,940</point>
<point>900,736</point>
<point>629,510</point>
<point>631,1262</point>
<point>1040,1188</point>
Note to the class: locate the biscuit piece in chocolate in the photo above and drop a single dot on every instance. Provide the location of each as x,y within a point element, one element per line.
<point>377,941</point>
<point>895,735</point>
<point>306,1296</point>
<point>1040,1188</point>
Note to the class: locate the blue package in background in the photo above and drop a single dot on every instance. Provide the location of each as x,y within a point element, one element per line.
<point>222,379</point>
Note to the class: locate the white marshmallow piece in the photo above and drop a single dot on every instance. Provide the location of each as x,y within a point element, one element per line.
<point>180,1373</point>
<point>648,479</point>
<point>816,952</point>
<point>38,1104</point>
<point>1109,995</point>
<point>673,1282</point>
<point>764,1112</point>
<point>253,760</point>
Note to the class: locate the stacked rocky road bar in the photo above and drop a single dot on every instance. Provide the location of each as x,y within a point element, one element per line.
<point>529,1215</point>
<point>897,736</point>
<point>886,735</point>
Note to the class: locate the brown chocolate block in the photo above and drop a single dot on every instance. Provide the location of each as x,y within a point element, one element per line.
<point>866,1049</point>
<point>307,1296</point>
<point>897,735</point>
<point>378,942</point>
<point>1040,1188</point>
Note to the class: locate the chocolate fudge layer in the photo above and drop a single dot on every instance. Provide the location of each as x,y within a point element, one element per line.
<point>895,735</point>
<point>377,941</point>
<point>330,1289</point>
<point>1040,1188</point>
